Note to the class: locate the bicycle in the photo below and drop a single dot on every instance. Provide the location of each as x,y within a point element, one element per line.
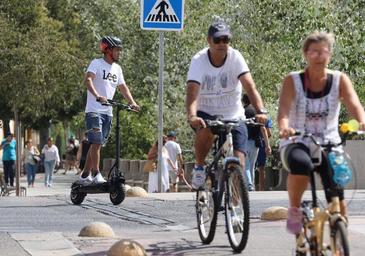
<point>224,176</point>
<point>115,184</point>
<point>315,218</point>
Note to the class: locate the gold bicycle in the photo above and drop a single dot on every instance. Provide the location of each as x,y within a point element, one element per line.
<point>321,223</point>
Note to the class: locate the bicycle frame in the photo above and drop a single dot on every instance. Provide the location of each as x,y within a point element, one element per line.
<point>320,216</point>
<point>223,148</point>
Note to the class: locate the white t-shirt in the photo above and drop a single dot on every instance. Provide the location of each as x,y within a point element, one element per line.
<point>220,88</point>
<point>50,153</point>
<point>107,78</point>
<point>173,150</point>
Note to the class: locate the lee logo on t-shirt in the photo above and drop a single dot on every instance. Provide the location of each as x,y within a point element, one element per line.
<point>109,77</point>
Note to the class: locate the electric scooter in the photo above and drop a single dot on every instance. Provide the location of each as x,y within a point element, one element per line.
<point>115,184</point>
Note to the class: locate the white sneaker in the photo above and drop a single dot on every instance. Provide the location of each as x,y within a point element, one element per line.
<point>198,179</point>
<point>99,178</point>
<point>86,181</point>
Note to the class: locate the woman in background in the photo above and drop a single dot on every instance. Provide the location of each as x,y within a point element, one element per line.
<point>51,158</point>
<point>30,153</point>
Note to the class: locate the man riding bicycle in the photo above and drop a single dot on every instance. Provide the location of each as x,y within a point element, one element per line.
<point>214,88</point>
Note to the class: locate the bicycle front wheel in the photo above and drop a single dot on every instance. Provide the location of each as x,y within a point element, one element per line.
<point>206,212</point>
<point>237,208</point>
<point>340,239</point>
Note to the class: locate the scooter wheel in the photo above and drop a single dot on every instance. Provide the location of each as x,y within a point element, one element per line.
<point>117,196</point>
<point>77,198</point>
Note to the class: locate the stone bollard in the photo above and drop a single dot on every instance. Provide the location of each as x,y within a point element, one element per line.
<point>127,187</point>
<point>97,229</point>
<point>274,213</point>
<point>127,247</point>
<point>136,192</point>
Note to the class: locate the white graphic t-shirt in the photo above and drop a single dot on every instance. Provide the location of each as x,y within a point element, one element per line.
<point>107,78</point>
<point>220,89</point>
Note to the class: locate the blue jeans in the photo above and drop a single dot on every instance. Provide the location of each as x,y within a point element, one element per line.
<point>98,127</point>
<point>9,171</point>
<point>48,171</point>
<point>31,170</point>
<point>251,157</point>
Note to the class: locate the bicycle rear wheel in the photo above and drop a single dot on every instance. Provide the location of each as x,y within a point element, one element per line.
<point>206,212</point>
<point>237,208</point>
<point>340,239</point>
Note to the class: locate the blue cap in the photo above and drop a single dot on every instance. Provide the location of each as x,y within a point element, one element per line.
<point>219,29</point>
<point>171,134</point>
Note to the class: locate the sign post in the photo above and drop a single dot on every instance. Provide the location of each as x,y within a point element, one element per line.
<point>161,15</point>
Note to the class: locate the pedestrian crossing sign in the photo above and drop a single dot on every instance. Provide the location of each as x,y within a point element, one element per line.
<point>162,14</point>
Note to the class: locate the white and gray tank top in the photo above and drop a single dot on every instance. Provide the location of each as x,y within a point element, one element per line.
<point>316,112</point>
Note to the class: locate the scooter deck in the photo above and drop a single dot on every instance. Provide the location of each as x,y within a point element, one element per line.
<point>93,188</point>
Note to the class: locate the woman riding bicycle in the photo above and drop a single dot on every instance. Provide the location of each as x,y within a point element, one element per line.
<point>310,102</point>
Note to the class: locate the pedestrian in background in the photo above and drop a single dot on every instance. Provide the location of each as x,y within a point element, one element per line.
<point>82,151</point>
<point>153,176</point>
<point>71,153</point>
<point>51,159</point>
<point>253,143</point>
<point>264,151</point>
<point>8,145</point>
<point>30,160</point>
<point>176,168</point>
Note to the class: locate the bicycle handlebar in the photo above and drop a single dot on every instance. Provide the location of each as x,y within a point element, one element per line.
<point>117,104</point>
<point>231,122</point>
<point>327,144</point>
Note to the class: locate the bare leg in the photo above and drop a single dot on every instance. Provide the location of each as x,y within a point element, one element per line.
<point>343,207</point>
<point>92,160</point>
<point>203,143</point>
<point>296,185</point>
<point>242,158</point>
<point>95,156</point>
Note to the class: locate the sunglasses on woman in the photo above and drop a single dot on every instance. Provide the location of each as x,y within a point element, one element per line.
<point>224,39</point>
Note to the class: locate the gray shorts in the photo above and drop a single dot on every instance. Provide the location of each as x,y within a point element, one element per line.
<point>98,127</point>
<point>173,177</point>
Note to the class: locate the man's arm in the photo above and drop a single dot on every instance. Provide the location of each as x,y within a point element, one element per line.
<point>88,81</point>
<point>124,90</point>
<point>266,139</point>
<point>191,102</point>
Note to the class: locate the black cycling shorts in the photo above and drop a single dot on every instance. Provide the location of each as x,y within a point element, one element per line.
<point>296,160</point>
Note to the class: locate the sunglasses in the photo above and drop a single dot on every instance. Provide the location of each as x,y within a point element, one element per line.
<point>224,39</point>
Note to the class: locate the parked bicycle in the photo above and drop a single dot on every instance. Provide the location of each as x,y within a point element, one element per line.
<point>319,221</point>
<point>224,176</point>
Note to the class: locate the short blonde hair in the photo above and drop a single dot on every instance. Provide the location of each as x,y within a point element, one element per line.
<point>317,37</point>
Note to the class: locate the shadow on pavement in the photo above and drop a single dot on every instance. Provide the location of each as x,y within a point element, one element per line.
<point>186,247</point>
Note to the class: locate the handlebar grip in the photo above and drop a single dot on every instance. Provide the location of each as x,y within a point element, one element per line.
<point>297,133</point>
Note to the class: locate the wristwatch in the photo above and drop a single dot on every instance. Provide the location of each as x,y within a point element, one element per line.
<point>262,111</point>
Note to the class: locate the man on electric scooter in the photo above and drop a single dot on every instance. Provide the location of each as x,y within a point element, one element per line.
<point>102,77</point>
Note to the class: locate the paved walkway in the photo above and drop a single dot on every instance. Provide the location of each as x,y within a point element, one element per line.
<point>54,243</point>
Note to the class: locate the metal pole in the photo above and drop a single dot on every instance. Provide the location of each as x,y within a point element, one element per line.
<point>160,108</point>
<point>18,153</point>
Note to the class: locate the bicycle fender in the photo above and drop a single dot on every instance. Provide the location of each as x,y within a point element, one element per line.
<point>231,160</point>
